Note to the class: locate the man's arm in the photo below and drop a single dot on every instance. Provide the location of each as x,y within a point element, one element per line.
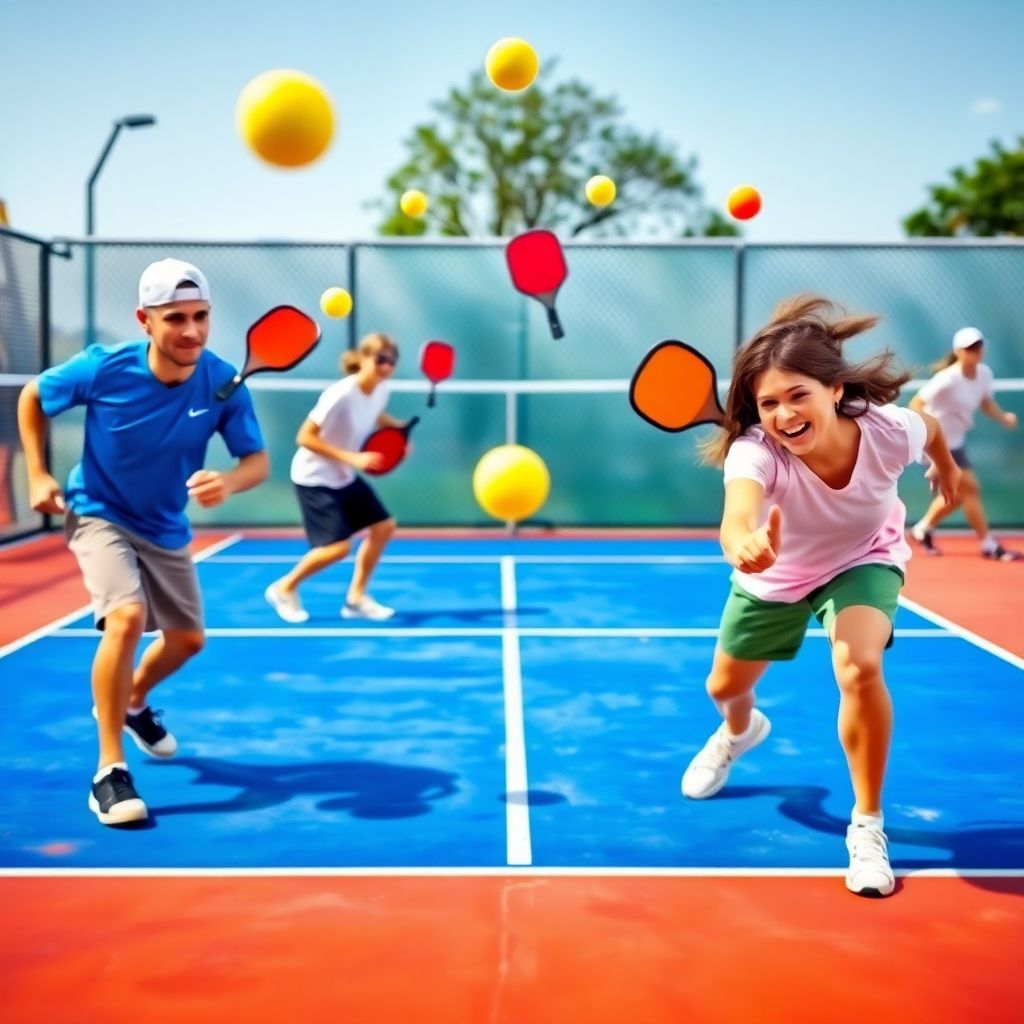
<point>211,488</point>
<point>44,491</point>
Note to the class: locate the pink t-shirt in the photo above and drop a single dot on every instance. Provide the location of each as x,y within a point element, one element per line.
<point>826,531</point>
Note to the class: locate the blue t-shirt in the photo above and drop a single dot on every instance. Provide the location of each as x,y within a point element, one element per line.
<point>143,438</point>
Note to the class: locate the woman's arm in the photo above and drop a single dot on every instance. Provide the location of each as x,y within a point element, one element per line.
<point>943,473</point>
<point>747,546</point>
<point>991,408</point>
<point>309,437</point>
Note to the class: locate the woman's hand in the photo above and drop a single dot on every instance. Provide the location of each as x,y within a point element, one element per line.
<point>761,548</point>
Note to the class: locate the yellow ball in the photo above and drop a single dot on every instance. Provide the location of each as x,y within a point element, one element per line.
<point>285,117</point>
<point>336,302</point>
<point>600,190</point>
<point>413,203</point>
<point>511,482</point>
<point>512,64</point>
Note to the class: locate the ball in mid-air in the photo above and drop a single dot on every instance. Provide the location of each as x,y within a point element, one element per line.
<point>512,64</point>
<point>285,117</point>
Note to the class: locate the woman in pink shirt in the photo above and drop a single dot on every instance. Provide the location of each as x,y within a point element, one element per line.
<point>812,524</point>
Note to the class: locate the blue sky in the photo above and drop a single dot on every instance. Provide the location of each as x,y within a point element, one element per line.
<point>840,113</point>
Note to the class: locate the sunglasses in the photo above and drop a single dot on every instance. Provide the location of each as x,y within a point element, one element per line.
<point>385,360</point>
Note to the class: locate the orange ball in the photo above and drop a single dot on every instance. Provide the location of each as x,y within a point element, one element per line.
<point>744,202</point>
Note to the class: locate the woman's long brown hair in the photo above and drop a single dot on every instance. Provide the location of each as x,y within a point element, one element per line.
<point>805,335</point>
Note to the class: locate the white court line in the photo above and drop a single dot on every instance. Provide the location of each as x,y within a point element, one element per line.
<point>491,872</point>
<point>54,628</point>
<point>518,846</point>
<point>443,633</point>
<point>495,559</point>
<point>962,633</point>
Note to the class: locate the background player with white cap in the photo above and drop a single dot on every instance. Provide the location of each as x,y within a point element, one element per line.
<point>961,385</point>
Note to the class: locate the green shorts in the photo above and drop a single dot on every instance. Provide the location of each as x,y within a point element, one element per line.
<point>756,630</point>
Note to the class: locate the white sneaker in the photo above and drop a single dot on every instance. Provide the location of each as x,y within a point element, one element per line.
<point>288,606</point>
<point>869,873</point>
<point>709,770</point>
<point>366,608</point>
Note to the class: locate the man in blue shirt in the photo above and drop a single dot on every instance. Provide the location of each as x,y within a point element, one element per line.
<point>151,409</point>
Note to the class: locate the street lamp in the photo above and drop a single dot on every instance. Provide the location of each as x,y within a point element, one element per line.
<point>128,121</point>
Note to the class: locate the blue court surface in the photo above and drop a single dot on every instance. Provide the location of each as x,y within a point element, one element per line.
<point>534,702</point>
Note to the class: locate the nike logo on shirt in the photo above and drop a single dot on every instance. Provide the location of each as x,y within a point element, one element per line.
<point>192,413</point>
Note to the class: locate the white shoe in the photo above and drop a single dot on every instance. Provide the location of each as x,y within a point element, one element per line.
<point>869,873</point>
<point>288,606</point>
<point>709,770</point>
<point>366,608</point>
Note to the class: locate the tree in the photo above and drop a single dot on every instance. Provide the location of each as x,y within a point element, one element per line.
<point>497,163</point>
<point>985,201</point>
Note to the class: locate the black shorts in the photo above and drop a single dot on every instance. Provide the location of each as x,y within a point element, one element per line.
<point>960,457</point>
<point>332,514</point>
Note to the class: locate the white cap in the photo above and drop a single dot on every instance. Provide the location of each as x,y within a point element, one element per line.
<point>172,281</point>
<point>966,337</point>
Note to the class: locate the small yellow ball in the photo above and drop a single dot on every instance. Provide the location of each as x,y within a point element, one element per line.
<point>512,64</point>
<point>600,190</point>
<point>285,117</point>
<point>413,203</point>
<point>336,302</point>
<point>511,482</point>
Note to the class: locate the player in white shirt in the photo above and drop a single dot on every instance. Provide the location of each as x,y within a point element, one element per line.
<point>961,385</point>
<point>336,502</point>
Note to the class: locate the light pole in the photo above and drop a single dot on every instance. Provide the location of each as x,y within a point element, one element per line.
<point>129,121</point>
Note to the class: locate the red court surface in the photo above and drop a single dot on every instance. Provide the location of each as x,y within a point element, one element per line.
<point>505,949</point>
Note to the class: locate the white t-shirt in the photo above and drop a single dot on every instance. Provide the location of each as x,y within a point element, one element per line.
<point>953,398</point>
<point>346,416</point>
<point>827,530</point>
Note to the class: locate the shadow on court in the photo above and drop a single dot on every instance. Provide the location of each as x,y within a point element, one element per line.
<point>487,616</point>
<point>983,845</point>
<point>366,789</point>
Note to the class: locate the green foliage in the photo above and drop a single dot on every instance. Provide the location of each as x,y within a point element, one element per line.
<point>496,163</point>
<point>983,202</point>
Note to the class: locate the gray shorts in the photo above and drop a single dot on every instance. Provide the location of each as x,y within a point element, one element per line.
<point>120,567</point>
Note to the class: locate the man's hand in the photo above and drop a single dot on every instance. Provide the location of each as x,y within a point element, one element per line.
<point>208,487</point>
<point>45,495</point>
<point>761,548</point>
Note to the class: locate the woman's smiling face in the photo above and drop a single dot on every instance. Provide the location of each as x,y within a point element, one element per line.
<point>796,411</point>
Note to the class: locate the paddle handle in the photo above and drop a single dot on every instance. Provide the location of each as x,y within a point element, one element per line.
<point>554,323</point>
<point>431,396</point>
<point>230,388</point>
<point>407,429</point>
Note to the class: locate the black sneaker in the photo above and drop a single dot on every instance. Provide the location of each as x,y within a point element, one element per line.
<point>1000,554</point>
<point>148,732</point>
<point>114,801</point>
<point>925,539</point>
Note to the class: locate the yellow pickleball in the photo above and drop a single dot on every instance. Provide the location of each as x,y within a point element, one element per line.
<point>600,190</point>
<point>511,482</point>
<point>336,302</point>
<point>413,203</point>
<point>285,117</point>
<point>512,64</point>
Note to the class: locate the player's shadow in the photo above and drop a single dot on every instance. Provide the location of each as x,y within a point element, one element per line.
<point>979,845</point>
<point>366,789</point>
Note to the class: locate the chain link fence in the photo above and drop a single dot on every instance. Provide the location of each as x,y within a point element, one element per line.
<point>607,466</point>
<point>23,352</point>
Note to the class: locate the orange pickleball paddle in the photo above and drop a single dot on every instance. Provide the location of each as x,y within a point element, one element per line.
<point>675,388</point>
